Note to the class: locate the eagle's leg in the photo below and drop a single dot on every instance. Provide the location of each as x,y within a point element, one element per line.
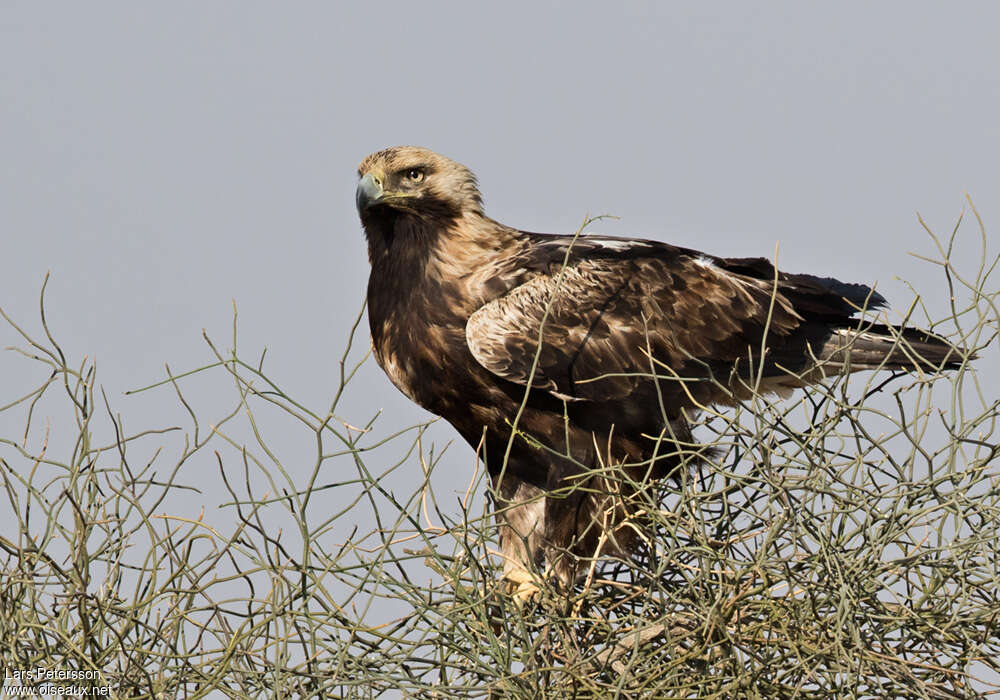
<point>590,521</point>
<point>522,525</point>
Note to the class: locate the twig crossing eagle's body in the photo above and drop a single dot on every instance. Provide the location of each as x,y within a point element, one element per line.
<point>635,336</point>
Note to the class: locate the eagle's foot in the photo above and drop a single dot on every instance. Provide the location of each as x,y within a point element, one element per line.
<point>525,593</point>
<point>523,586</point>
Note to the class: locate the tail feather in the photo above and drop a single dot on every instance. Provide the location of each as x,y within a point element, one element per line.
<point>891,347</point>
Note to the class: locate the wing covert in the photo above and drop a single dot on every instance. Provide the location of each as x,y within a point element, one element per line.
<point>606,316</point>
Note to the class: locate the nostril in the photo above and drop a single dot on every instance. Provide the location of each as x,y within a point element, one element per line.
<point>377,181</point>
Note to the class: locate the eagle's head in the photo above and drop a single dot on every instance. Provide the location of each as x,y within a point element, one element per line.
<point>409,181</point>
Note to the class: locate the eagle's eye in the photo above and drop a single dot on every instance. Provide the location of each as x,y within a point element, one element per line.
<point>415,175</point>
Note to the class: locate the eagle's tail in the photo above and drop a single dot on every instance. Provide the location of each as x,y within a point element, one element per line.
<point>890,347</point>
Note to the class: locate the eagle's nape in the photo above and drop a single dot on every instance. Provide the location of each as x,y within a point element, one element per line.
<point>466,314</point>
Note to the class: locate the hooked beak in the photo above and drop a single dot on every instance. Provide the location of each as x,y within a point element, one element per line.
<point>369,192</point>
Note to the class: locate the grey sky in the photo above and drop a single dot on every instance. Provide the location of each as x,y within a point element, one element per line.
<point>162,160</point>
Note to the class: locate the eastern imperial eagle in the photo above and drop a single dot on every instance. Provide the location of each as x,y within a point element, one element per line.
<point>635,336</point>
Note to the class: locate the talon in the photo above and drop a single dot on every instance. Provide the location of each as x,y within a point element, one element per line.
<point>526,592</point>
<point>522,585</point>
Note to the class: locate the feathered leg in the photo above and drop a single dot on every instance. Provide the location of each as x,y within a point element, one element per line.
<point>521,512</point>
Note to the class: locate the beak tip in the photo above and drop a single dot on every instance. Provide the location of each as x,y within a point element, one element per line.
<point>368,193</point>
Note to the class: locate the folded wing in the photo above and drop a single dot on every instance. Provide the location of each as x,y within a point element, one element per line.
<point>607,323</point>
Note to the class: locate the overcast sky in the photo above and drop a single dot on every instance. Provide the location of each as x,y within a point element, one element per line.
<point>162,160</point>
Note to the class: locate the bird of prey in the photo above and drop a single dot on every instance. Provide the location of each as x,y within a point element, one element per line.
<point>557,355</point>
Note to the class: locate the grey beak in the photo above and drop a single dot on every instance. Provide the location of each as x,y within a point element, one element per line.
<point>369,192</point>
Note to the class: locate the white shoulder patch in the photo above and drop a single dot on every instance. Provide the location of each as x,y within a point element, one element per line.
<point>705,261</point>
<point>617,243</point>
<point>607,242</point>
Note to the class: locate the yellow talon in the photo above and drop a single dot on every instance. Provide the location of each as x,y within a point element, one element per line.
<point>523,586</point>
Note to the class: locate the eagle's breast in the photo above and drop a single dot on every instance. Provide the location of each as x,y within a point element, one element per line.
<point>420,343</point>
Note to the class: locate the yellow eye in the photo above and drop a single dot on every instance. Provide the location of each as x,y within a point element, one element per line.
<point>415,175</point>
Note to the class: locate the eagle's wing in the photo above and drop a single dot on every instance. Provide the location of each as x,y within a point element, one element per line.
<point>606,317</point>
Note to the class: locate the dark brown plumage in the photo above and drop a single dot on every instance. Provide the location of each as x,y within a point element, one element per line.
<point>456,303</point>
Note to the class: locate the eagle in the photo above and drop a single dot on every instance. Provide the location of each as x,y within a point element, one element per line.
<point>555,356</point>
